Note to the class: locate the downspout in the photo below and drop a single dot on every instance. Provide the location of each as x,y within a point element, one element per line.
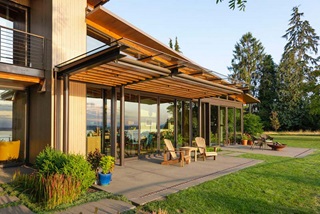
<point>65,113</point>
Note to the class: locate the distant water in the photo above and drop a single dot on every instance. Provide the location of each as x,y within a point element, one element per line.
<point>5,135</point>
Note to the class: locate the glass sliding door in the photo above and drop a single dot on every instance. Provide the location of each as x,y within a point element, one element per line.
<point>222,125</point>
<point>238,126</point>
<point>148,124</point>
<point>166,121</point>
<point>214,128</point>
<point>94,119</point>
<point>195,125</point>
<point>131,125</point>
<point>231,125</point>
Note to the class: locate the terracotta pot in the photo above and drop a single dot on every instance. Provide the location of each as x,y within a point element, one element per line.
<point>244,142</point>
<point>250,142</point>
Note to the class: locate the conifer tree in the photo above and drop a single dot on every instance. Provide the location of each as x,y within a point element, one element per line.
<point>247,57</point>
<point>297,71</point>
<point>267,90</point>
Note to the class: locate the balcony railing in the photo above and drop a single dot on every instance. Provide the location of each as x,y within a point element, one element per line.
<point>21,48</point>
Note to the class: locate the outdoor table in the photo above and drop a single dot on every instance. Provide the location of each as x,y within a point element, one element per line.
<point>190,149</point>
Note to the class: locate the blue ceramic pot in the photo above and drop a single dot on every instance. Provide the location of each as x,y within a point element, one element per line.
<point>104,178</point>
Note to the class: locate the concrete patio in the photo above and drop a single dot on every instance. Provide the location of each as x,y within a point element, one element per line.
<point>285,152</point>
<point>145,180</point>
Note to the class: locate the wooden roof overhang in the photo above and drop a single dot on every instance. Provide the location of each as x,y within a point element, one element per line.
<point>111,68</point>
<point>137,61</point>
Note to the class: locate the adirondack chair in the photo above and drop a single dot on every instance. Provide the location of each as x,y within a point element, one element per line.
<point>173,157</point>
<point>201,144</point>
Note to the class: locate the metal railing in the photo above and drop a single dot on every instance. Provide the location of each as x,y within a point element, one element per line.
<point>21,48</point>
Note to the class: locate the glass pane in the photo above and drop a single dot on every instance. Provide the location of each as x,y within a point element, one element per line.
<point>183,123</point>
<point>214,125</point>
<point>6,117</point>
<point>131,125</point>
<point>195,125</point>
<point>238,126</point>
<point>148,134</point>
<point>166,121</point>
<point>231,125</point>
<point>94,119</point>
<point>222,125</point>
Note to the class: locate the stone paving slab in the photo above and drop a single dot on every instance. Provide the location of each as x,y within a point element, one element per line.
<point>7,199</point>
<point>103,206</point>
<point>20,209</point>
<point>6,174</point>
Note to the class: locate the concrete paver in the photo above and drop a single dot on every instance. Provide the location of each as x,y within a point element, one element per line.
<point>102,206</point>
<point>8,199</point>
<point>16,210</point>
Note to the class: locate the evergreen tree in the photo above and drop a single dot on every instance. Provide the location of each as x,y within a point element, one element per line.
<point>247,56</point>
<point>297,71</point>
<point>176,46</point>
<point>170,43</point>
<point>267,90</point>
<point>240,4</point>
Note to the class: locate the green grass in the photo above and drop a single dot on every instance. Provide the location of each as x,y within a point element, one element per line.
<point>278,185</point>
<point>302,141</point>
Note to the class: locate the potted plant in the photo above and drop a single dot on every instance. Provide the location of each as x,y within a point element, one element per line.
<point>250,142</point>
<point>244,139</point>
<point>107,166</point>
<point>94,159</point>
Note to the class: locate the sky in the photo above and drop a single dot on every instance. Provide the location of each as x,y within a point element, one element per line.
<point>207,32</point>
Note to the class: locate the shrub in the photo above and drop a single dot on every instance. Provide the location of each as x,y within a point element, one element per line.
<point>50,162</point>
<point>94,159</point>
<point>252,124</point>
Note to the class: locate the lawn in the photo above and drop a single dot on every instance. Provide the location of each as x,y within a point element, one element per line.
<point>302,141</point>
<point>278,185</point>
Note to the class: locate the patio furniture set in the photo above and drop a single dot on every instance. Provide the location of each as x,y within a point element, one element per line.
<point>265,140</point>
<point>170,156</point>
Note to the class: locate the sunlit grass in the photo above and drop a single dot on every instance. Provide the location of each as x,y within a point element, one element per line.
<point>278,185</point>
<point>302,141</point>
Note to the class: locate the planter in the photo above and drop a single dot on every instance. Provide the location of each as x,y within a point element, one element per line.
<point>244,142</point>
<point>250,142</point>
<point>9,150</point>
<point>277,147</point>
<point>105,178</point>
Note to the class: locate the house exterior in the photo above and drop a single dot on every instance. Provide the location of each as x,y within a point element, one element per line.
<point>78,77</point>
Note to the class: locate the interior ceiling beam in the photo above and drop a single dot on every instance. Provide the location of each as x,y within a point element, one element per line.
<point>91,61</point>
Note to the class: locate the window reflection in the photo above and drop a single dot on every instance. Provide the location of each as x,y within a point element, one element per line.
<point>148,124</point>
<point>166,121</point>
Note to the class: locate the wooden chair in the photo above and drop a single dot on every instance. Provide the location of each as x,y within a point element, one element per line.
<point>201,144</point>
<point>257,142</point>
<point>173,159</point>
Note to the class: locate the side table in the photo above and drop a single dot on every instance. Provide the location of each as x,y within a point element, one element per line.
<point>190,149</point>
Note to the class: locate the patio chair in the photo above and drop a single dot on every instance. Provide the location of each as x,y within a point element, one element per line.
<point>257,142</point>
<point>174,158</point>
<point>201,144</point>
